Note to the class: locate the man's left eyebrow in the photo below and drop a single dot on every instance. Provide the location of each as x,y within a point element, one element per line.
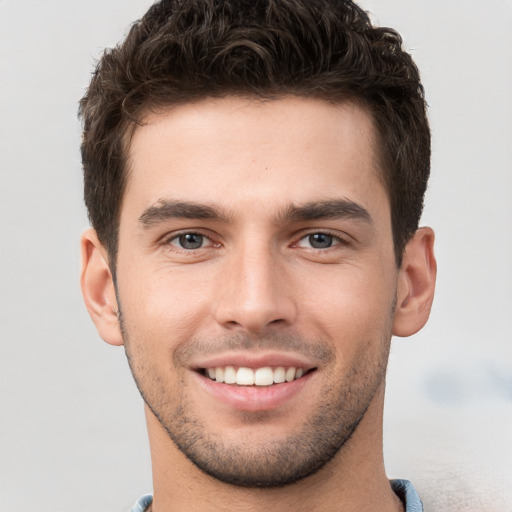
<point>331,209</point>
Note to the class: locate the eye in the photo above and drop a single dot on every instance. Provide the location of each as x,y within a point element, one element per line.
<point>190,241</point>
<point>318,241</point>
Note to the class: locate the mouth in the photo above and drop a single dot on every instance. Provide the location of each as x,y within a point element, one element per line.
<point>265,376</point>
<point>255,381</point>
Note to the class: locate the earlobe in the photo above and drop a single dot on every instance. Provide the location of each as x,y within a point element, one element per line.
<point>416,284</point>
<point>98,288</point>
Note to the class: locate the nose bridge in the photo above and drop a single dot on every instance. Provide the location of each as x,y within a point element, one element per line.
<point>253,292</point>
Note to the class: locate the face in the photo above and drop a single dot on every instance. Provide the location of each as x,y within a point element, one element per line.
<point>256,281</point>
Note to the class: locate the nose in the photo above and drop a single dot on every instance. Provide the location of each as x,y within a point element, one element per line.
<point>255,292</point>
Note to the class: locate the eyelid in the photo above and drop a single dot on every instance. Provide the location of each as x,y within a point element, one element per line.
<point>206,242</point>
<point>339,239</point>
<point>170,237</point>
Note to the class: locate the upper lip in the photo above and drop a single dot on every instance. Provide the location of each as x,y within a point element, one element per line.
<point>254,360</point>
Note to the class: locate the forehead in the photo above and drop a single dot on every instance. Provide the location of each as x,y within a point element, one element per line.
<point>235,149</point>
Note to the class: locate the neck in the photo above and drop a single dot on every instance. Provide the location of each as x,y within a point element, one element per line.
<point>354,479</point>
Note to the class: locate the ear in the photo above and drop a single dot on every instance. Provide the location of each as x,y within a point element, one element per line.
<point>98,288</point>
<point>416,284</point>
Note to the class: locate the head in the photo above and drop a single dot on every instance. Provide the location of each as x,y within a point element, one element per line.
<point>254,174</point>
<point>182,51</point>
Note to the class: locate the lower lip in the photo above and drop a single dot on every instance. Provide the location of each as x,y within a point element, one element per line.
<point>254,398</point>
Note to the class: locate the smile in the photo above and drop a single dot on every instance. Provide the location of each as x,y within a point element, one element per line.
<point>254,382</point>
<point>243,376</point>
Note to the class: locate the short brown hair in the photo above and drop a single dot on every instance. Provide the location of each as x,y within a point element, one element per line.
<point>184,50</point>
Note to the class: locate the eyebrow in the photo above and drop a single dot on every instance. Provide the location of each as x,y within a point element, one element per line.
<point>164,210</point>
<point>317,210</point>
<point>332,209</point>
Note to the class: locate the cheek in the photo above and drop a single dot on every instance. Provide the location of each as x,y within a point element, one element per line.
<point>351,307</point>
<point>163,306</point>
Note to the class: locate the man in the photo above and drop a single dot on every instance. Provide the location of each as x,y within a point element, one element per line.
<point>254,175</point>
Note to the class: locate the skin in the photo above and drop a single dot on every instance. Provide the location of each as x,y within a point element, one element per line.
<point>253,181</point>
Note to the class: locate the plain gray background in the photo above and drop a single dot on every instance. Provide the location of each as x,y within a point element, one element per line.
<point>71,421</point>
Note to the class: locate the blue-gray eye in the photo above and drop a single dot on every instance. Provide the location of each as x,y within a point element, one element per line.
<point>189,241</point>
<point>320,240</point>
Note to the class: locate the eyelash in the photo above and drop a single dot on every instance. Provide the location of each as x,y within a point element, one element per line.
<point>336,240</point>
<point>176,236</point>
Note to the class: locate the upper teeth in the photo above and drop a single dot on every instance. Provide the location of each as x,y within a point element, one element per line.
<point>265,376</point>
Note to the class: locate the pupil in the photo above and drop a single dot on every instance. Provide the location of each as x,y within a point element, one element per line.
<point>191,241</point>
<point>320,240</point>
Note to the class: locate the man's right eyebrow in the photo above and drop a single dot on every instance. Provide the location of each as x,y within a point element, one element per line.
<point>164,210</point>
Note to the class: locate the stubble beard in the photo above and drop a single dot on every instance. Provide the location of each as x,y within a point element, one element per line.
<point>269,463</point>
